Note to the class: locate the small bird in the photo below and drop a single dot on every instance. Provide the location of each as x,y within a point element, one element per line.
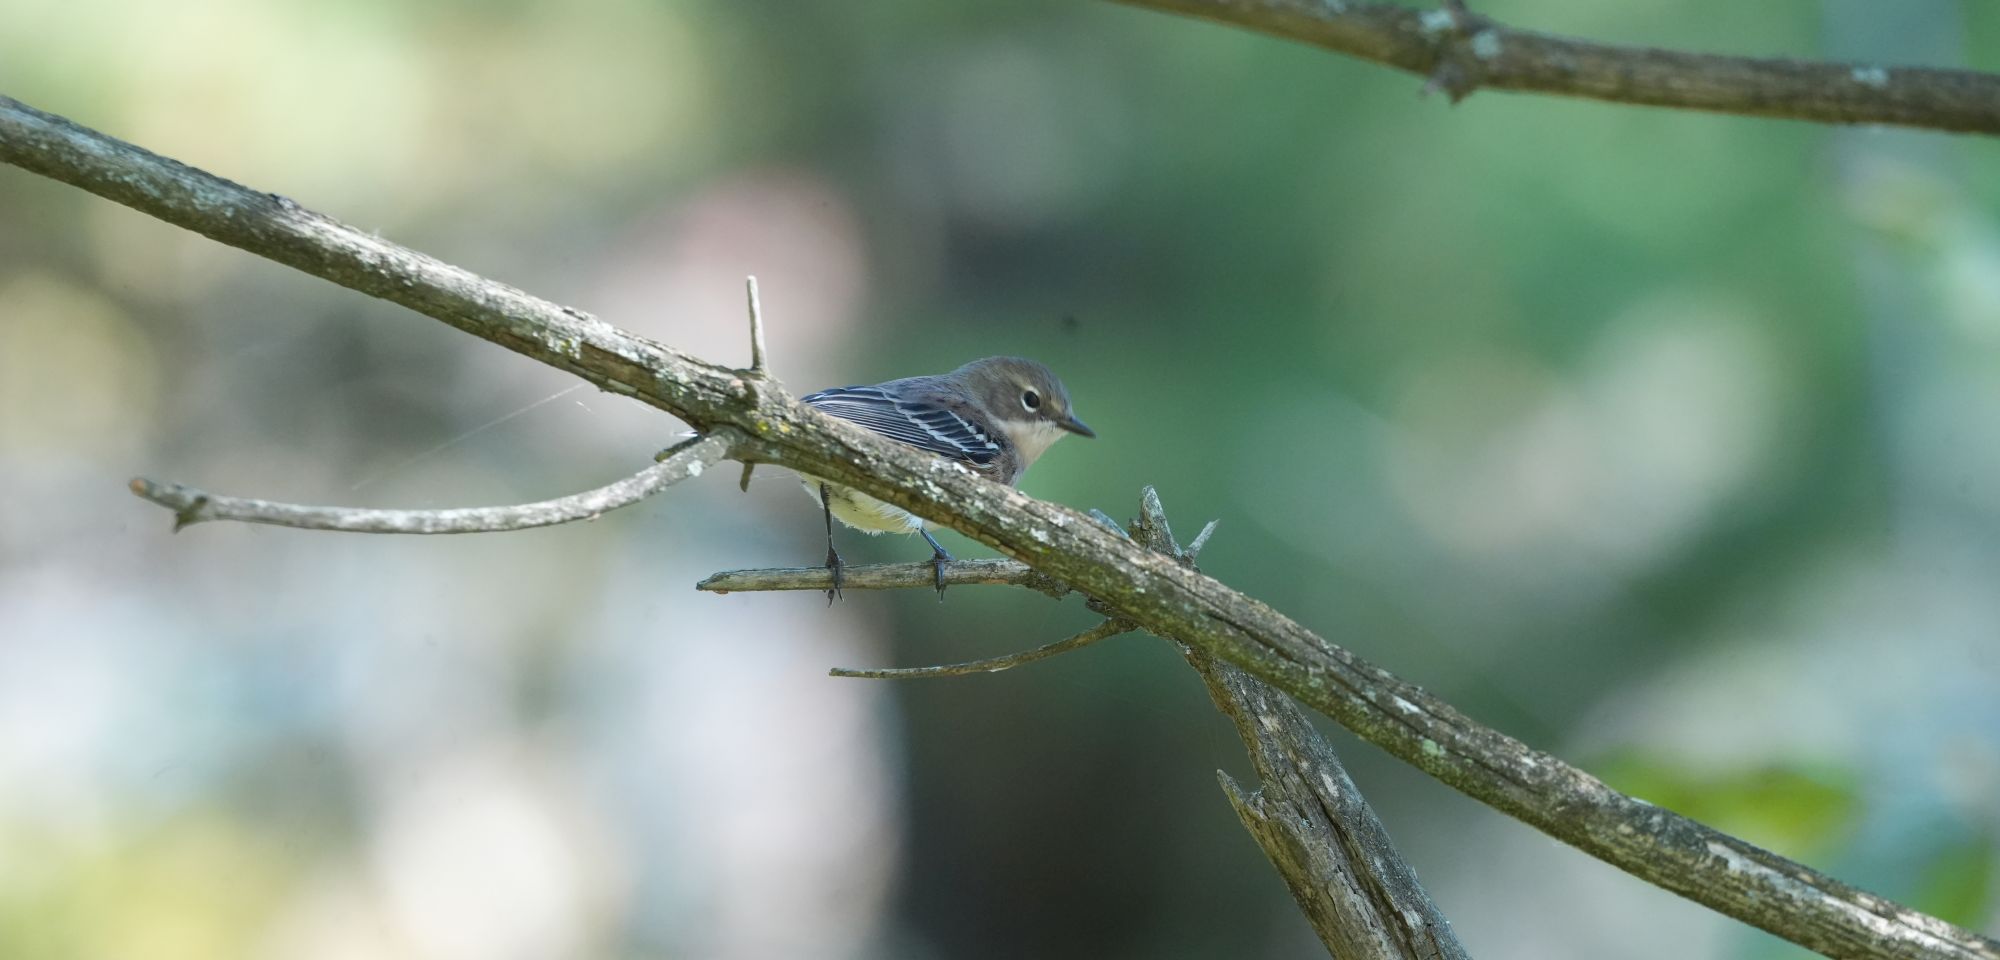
<point>995,416</point>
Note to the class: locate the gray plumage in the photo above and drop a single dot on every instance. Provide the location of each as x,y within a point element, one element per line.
<point>995,416</point>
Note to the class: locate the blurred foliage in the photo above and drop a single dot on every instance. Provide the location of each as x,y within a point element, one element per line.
<point>1958,884</point>
<point>1796,813</point>
<point>134,897</point>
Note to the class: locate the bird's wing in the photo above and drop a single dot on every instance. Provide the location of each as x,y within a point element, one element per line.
<point>923,424</point>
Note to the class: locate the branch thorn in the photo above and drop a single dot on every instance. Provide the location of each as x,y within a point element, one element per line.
<point>758,366</point>
<point>1200,541</point>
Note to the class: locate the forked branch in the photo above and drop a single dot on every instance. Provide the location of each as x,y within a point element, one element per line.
<point>1319,833</point>
<point>1459,52</point>
<point>192,506</point>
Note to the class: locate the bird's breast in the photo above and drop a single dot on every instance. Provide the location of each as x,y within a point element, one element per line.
<point>861,511</point>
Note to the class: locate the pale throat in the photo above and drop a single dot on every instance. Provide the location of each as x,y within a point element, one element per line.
<point>1033,438</point>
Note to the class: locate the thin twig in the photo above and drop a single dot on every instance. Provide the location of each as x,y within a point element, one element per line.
<point>758,365</point>
<point>1103,631</point>
<point>884,576</point>
<point>1675,852</point>
<point>192,506</point>
<point>1459,52</point>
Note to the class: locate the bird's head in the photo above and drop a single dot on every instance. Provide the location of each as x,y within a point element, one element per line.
<point>1025,399</point>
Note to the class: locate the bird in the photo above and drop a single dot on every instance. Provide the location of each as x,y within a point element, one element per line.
<point>994,416</point>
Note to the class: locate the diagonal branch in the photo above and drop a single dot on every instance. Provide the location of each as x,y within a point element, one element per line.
<point>1161,595</point>
<point>1460,52</point>
<point>192,506</point>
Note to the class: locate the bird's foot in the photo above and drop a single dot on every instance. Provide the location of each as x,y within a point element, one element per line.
<point>939,558</point>
<point>938,564</point>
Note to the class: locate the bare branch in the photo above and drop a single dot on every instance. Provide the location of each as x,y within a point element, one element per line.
<point>1103,631</point>
<point>1320,833</point>
<point>1458,52</point>
<point>1159,594</point>
<point>885,576</point>
<point>192,506</point>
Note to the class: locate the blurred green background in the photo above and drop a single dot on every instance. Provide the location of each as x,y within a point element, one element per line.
<point>1666,442</point>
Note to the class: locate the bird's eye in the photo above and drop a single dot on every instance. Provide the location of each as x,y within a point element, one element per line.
<point>1031,400</point>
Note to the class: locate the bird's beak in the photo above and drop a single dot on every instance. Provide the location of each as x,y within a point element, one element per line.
<point>1076,426</point>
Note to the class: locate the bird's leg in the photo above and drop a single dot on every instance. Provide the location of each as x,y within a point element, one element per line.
<point>938,560</point>
<point>832,556</point>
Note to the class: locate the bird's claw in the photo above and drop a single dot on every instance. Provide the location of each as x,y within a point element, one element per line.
<point>939,557</point>
<point>834,565</point>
